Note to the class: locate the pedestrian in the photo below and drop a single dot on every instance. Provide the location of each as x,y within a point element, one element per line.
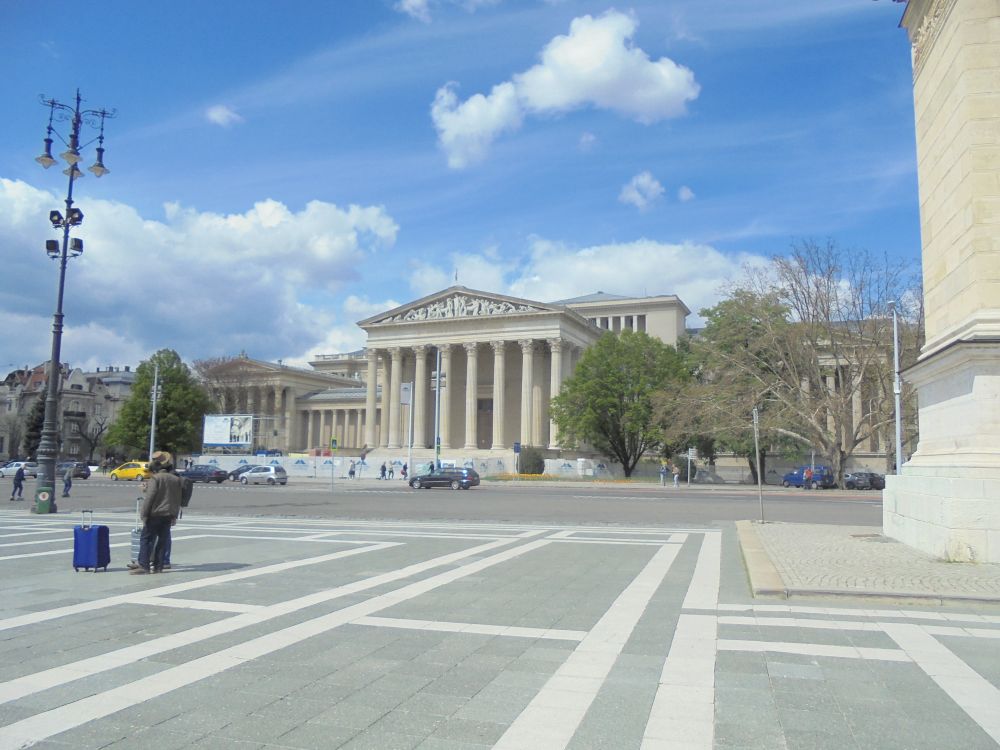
<point>381,471</point>
<point>350,471</point>
<point>663,474</point>
<point>402,472</point>
<point>17,492</point>
<point>391,472</point>
<point>67,480</point>
<point>160,510</point>
<point>676,471</point>
<point>807,477</point>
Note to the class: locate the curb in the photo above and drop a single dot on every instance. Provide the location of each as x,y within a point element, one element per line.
<point>766,581</point>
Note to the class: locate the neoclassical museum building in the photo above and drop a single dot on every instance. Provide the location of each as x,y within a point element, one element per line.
<point>502,359</point>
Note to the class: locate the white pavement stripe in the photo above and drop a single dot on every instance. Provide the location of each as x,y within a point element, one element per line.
<point>43,725</point>
<point>162,601</point>
<point>814,649</point>
<point>59,540</point>
<point>978,697</point>
<point>59,675</point>
<point>554,714</point>
<point>799,622</point>
<point>684,705</point>
<point>626,542</point>
<point>703,591</point>
<point>880,614</point>
<point>51,614</point>
<point>467,627</point>
<point>962,632</point>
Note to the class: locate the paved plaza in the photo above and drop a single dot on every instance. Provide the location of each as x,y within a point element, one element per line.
<point>297,633</point>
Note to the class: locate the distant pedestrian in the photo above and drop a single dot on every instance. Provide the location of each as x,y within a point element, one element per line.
<point>402,472</point>
<point>67,480</point>
<point>391,472</point>
<point>807,477</point>
<point>17,493</point>
<point>381,471</point>
<point>350,471</point>
<point>663,474</point>
<point>676,471</point>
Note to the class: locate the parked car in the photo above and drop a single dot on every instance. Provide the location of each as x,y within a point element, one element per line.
<point>457,479</point>
<point>822,478</point>
<point>30,468</point>
<point>236,473</point>
<point>131,470</point>
<point>205,473</point>
<point>864,480</point>
<point>265,475</point>
<point>81,470</point>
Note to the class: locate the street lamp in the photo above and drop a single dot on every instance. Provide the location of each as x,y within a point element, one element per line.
<point>897,386</point>
<point>48,448</point>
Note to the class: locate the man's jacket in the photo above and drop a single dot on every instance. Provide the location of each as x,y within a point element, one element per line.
<point>163,496</point>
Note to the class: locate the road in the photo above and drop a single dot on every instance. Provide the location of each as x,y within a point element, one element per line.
<point>517,502</point>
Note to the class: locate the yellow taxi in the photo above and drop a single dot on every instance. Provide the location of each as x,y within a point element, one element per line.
<point>131,470</point>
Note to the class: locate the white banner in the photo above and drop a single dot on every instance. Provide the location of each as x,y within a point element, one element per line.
<point>405,393</point>
<point>227,430</point>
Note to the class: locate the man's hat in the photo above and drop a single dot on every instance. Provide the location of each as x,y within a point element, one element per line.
<point>162,457</point>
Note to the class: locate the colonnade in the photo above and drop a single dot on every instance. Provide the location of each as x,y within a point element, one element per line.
<point>518,414</point>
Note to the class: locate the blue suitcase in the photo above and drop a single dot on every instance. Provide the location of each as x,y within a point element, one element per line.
<point>91,544</point>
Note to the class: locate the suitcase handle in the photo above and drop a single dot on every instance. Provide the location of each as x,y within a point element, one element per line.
<point>138,508</point>
<point>83,518</point>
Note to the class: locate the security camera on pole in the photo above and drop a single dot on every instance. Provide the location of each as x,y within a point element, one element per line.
<point>48,448</point>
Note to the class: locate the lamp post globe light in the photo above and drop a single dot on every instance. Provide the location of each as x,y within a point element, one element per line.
<point>48,447</point>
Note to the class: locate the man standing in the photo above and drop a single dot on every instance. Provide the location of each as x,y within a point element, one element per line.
<point>17,493</point>
<point>160,508</point>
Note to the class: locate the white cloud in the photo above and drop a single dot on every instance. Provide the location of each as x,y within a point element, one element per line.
<point>685,194</point>
<point>198,282</point>
<point>587,141</point>
<point>223,116</point>
<point>418,9</point>
<point>553,271</point>
<point>641,190</point>
<point>594,65</point>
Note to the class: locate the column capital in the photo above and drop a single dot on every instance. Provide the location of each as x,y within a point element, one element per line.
<point>419,349</point>
<point>555,345</point>
<point>445,348</point>
<point>527,345</point>
<point>371,355</point>
<point>471,347</point>
<point>395,351</point>
<point>498,345</point>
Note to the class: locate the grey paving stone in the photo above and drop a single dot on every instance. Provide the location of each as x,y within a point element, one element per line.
<point>469,730</point>
<point>313,736</point>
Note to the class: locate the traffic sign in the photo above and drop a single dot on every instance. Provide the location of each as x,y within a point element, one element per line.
<point>333,444</point>
<point>517,447</point>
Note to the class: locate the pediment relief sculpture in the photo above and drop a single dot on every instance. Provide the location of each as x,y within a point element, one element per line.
<point>461,306</point>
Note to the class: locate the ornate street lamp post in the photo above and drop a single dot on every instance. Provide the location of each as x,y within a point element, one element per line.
<point>48,448</point>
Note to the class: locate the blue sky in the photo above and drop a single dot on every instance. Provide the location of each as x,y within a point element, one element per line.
<point>282,170</point>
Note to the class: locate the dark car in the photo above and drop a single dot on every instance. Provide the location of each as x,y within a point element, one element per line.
<point>457,479</point>
<point>864,480</point>
<point>205,473</point>
<point>822,477</point>
<point>235,474</point>
<point>80,469</point>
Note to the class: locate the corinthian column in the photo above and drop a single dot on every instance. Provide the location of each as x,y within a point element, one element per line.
<point>446,395</point>
<point>419,396</point>
<point>372,383</point>
<point>471,400</point>
<point>555,383</point>
<point>527,386</point>
<point>394,379</point>
<point>499,382</point>
<point>383,420</point>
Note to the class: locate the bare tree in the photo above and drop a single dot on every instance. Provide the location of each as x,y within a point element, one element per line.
<point>808,339</point>
<point>91,433</point>
<point>231,378</point>
<point>12,426</point>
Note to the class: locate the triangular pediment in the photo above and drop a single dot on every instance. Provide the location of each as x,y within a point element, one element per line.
<point>459,302</point>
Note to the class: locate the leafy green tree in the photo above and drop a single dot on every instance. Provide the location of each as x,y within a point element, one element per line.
<point>608,401</point>
<point>531,461</point>
<point>34,423</point>
<point>180,409</point>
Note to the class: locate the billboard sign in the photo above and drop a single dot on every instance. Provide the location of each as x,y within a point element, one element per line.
<point>228,430</point>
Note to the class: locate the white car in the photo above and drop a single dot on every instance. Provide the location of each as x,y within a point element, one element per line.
<point>30,469</point>
<point>265,475</point>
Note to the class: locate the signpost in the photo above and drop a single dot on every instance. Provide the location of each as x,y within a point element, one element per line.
<point>333,461</point>
<point>691,455</point>
<point>756,448</point>
<point>406,399</point>
<point>517,459</point>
